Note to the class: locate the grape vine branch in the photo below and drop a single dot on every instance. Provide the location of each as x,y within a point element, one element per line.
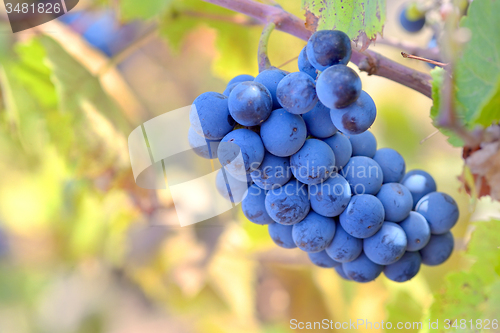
<point>367,61</point>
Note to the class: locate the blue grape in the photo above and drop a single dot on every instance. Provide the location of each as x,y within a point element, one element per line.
<point>250,103</point>
<point>387,246</point>
<point>314,232</point>
<point>254,207</point>
<point>281,235</point>
<point>417,231</point>
<point>411,24</point>
<point>313,163</point>
<point>342,149</point>
<point>296,93</point>
<point>270,78</point>
<point>304,64</point>
<point>363,144</point>
<point>355,118</point>
<point>363,174</point>
<point>288,204</point>
<point>241,151</point>
<point>397,201</point>
<point>438,250</point>
<point>392,164</point>
<point>229,187</point>
<point>331,197</point>
<point>338,87</point>
<point>326,48</point>
<point>230,88</point>
<point>362,269</point>
<point>363,216</point>
<point>273,172</point>
<point>440,210</point>
<point>419,183</point>
<point>210,116</point>
<point>240,78</point>
<point>201,146</point>
<point>344,247</point>
<point>340,271</point>
<point>322,259</point>
<point>405,268</point>
<point>283,133</point>
<point>318,122</point>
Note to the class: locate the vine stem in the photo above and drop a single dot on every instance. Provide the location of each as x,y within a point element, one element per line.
<point>368,61</point>
<point>264,62</point>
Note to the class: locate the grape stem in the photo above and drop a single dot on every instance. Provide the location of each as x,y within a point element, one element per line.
<point>367,61</point>
<point>410,56</point>
<point>264,62</point>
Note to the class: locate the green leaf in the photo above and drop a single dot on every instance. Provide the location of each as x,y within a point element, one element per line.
<point>478,68</point>
<point>437,75</point>
<point>468,294</point>
<point>236,42</point>
<point>353,17</point>
<point>133,9</point>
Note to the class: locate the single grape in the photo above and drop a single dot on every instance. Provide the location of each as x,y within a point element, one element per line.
<point>304,64</point>
<point>363,174</point>
<point>230,88</point>
<point>210,116</point>
<point>314,232</point>
<point>363,216</point>
<point>397,201</point>
<point>362,269</point>
<point>288,204</point>
<point>240,78</point>
<point>270,78</point>
<point>296,93</point>
<point>338,87</point>
<point>344,247</point>
<point>326,48</point>
<point>440,210</point>
<point>340,271</point>
<point>417,231</point>
<point>357,117</point>
<point>322,259</point>
<point>363,144</point>
<point>438,250</point>
<point>241,151</point>
<point>405,268</point>
<point>342,149</point>
<point>229,187</point>
<point>254,207</point>
<point>250,103</point>
<point>419,183</point>
<point>411,19</point>
<point>281,235</point>
<point>392,164</point>
<point>387,246</point>
<point>331,197</point>
<point>318,122</point>
<point>313,163</point>
<point>283,133</point>
<point>273,172</point>
<point>201,146</point>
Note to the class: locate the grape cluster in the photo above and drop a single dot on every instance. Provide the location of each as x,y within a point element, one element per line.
<point>296,152</point>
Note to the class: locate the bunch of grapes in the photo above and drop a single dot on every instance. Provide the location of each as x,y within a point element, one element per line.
<point>296,152</point>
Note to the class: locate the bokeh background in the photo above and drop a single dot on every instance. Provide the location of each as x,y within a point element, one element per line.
<point>84,250</point>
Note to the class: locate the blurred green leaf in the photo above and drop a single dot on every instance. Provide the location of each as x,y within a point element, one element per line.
<point>132,9</point>
<point>403,308</point>
<point>478,68</point>
<point>353,17</point>
<point>467,293</point>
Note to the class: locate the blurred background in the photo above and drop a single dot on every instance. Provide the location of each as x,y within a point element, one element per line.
<point>84,250</point>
